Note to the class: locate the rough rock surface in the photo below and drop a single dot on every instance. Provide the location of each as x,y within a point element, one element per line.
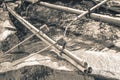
<point>100,39</point>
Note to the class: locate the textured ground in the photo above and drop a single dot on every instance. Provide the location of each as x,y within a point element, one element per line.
<point>97,39</point>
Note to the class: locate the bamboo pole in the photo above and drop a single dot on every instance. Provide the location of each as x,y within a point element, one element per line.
<point>83,14</point>
<point>93,8</point>
<point>49,41</point>
<point>14,63</point>
<point>19,44</point>
<point>104,18</point>
<point>22,42</point>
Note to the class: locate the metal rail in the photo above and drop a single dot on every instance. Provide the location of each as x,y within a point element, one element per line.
<point>74,60</point>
